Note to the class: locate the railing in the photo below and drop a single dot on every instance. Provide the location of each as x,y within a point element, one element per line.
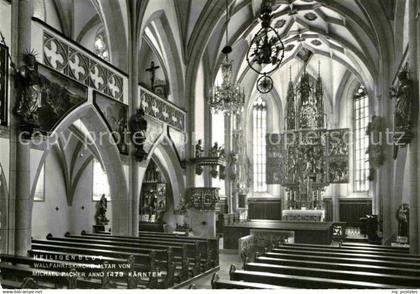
<point>162,110</point>
<point>77,63</point>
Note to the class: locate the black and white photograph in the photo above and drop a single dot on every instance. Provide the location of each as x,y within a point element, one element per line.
<point>210,145</point>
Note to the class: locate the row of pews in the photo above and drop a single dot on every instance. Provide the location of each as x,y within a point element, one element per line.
<point>103,261</point>
<point>310,266</point>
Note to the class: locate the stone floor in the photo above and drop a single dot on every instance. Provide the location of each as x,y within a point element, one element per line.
<point>227,258</point>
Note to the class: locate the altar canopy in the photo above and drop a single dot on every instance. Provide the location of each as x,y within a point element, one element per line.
<point>307,157</point>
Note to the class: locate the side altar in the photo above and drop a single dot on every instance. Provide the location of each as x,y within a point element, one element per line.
<point>307,156</point>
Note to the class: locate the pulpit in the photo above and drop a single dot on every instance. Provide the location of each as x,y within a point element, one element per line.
<point>313,215</point>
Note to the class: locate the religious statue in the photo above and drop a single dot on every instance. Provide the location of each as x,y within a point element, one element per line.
<point>138,127</point>
<point>403,219</point>
<point>122,131</point>
<point>214,152</point>
<point>100,216</point>
<point>233,164</point>
<point>29,85</point>
<point>149,204</point>
<point>375,148</point>
<point>160,210</point>
<point>404,110</point>
<point>199,149</point>
<point>221,152</point>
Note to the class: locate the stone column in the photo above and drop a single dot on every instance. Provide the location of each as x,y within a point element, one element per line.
<point>387,202</point>
<point>20,168</point>
<point>412,152</point>
<point>207,131</point>
<point>228,150</point>
<point>134,104</point>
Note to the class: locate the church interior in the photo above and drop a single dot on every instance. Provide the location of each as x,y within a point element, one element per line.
<point>209,144</point>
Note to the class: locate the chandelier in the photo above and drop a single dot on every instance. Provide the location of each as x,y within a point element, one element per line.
<point>227,97</point>
<point>266,51</point>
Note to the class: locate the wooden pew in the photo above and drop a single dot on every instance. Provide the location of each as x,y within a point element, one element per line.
<point>354,247</point>
<point>326,248</point>
<point>374,246</point>
<point>216,283</point>
<point>178,251</point>
<point>198,247</point>
<point>181,252</point>
<point>302,281</point>
<point>27,283</point>
<point>406,258</point>
<point>213,243</point>
<point>130,279</point>
<point>146,262</point>
<point>71,280</point>
<point>350,266</point>
<point>209,247</point>
<point>339,259</point>
<point>57,265</point>
<point>348,275</point>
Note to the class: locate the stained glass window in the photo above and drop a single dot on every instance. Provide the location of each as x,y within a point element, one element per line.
<point>259,144</point>
<point>361,140</point>
<point>101,45</point>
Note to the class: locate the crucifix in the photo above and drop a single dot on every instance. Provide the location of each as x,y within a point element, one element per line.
<point>152,69</point>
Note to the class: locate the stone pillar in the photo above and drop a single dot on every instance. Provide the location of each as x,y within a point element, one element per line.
<point>228,150</point>
<point>134,104</point>
<point>207,131</point>
<point>20,169</point>
<point>412,152</point>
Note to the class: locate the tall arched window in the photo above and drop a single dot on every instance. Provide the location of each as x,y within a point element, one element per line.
<point>100,182</point>
<point>259,152</point>
<point>361,140</point>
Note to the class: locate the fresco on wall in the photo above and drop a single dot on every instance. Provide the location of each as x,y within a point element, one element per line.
<point>115,115</point>
<point>4,66</point>
<point>60,95</point>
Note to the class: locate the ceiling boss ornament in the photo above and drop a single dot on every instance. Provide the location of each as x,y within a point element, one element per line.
<point>266,51</point>
<point>227,97</point>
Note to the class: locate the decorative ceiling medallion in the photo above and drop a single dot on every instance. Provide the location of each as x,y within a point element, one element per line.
<point>289,47</point>
<point>311,16</point>
<point>280,23</point>
<point>304,54</point>
<point>316,42</point>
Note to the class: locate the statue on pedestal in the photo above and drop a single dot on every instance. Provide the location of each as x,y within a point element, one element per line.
<point>214,152</point>
<point>403,218</point>
<point>29,85</point>
<point>199,149</point>
<point>100,216</point>
<point>403,118</point>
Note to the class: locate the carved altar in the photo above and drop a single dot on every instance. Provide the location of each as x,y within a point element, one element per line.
<point>314,215</point>
<point>153,196</point>
<point>307,157</point>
